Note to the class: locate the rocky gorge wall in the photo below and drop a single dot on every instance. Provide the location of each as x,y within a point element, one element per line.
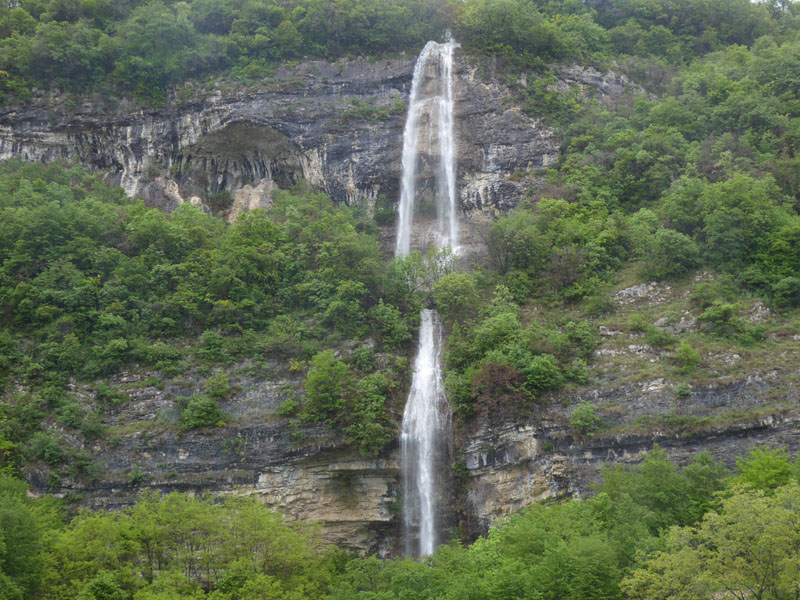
<point>336,125</point>
<point>339,127</point>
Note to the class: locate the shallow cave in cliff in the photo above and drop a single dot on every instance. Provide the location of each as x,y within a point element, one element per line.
<point>236,155</point>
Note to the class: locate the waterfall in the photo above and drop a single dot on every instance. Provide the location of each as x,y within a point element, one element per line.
<point>424,439</point>
<point>426,420</point>
<point>430,108</point>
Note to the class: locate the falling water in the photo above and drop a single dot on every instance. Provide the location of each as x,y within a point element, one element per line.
<point>424,440</point>
<point>426,420</point>
<point>434,101</point>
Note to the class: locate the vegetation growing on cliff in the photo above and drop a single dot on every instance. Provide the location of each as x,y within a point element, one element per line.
<point>93,281</point>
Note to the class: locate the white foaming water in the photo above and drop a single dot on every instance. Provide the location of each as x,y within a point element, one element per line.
<point>426,420</point>
<point>440,107</point>
<point>424,440</point>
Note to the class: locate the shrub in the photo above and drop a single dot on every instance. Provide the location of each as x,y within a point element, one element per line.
<point>722,318</point>
<point>328,388</point>
<point>584,420</point>
<point>48,448</point>
<point>496,387</point>
<point>543,373</point>
<point>786,292</point>
<point>686,357</point>
<point>637,323</point>
<point>211,346</point>
<point>389,323</point>
<point>658,338</point>
<point>670,254</point>
<point>289,407</point>
<point>583,337</point>
<point>201,411</point>
<point>455,296</point>
<point>218,385</point>
<point>364,359</point>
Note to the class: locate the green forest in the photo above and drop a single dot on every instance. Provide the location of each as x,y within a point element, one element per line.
<point>651,532</point>
<point>111,46</point>
<point>699,171</point>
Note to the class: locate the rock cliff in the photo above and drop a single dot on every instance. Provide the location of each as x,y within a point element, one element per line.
<point>339,127</point>
<point>336,125</point>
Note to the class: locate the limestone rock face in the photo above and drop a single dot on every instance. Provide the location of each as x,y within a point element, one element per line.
<point>338,126</point>
<point>510,465</point>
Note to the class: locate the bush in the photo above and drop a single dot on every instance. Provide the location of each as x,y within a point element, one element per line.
<point>786,292</point>
<point>543,373</point>
<point>637,323</point>
<point>391,328</point>
<point>289,407</point>
<point>683,390</point>
<point>328,388</point>
<point>670,254</point>
<point>201,411</point>
<point>211,346</point>
<point>584,420</point>
<point>722,319</point>
<point>218,385</point>
<point>658,338</point>
<point>455,296</point>
<point>686,357</point>
<point>48,448</point>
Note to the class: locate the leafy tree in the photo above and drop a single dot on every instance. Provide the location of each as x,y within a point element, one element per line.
<point>455,296</point>
<point>764,469</point>
<point>328,388</point>
<point>746,550</point>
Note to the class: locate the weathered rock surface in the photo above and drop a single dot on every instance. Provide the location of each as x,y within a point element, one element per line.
<point>512,465</point>
<point>308,473</point>
<point>337,125</point>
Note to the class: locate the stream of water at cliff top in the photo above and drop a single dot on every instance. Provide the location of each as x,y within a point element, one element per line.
<point>426,419</point>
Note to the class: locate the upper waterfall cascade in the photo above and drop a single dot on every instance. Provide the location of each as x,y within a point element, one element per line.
<point>425,438</point>
<point>430,123</point>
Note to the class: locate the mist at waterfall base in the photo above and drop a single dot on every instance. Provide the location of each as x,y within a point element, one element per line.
<point>425,437</point>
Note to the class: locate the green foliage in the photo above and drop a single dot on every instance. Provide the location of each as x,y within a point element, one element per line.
<point>455,296</point>
<point>22,527</point>
<point>289,407</point>
<point>658,338</point>
<point>764,469</point>
<point>683,390</point>
<point>686,357</point>
<point>668,497</point>
<point>201,411</point>
<point>93,282</point>
<point>178,546</point>
<point>669,254</point>
<point>748,544</point>
<point>370,430</point>
<point>328,387</point>
<point>48,448</point>
<point>218,386</point>
<point>390,325</point>
<point>722,319</point>
<point>584,420</point>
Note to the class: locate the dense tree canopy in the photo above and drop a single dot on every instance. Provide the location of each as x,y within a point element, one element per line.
<point>652,531</point>
<point>142,47</point>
